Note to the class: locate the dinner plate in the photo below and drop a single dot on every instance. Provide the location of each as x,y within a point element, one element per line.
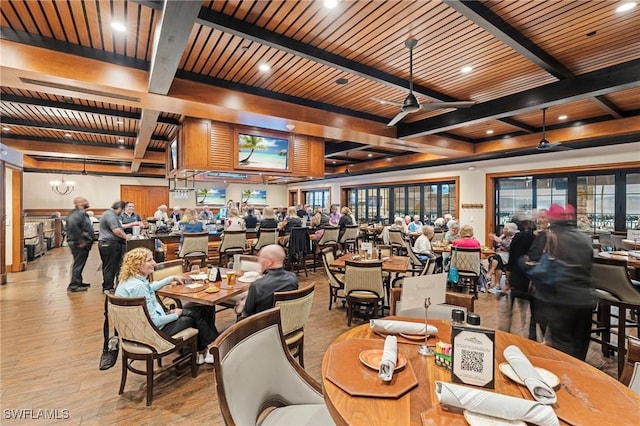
<point>550,378</point>
<point>372,358</point>
<point>212,290</point>
<point>477,419</point>
<point>416,337</point>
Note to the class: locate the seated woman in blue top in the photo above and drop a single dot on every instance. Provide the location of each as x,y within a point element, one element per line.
<point>137,266</point>
<point>190,224</point>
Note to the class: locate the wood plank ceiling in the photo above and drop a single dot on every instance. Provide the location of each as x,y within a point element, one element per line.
<point>77,95</point>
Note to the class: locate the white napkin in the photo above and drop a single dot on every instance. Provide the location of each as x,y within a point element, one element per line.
<point>397,327</point>
<point>495,404</point>
<point>199,276</point>
<point>389,358</point>
<point>539,389</point>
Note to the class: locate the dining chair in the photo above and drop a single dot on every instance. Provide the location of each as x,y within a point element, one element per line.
<point>163,270</point>
<point>267,236</point>
<point>437,237</point>
<point>631,371</point>
<point>299,246</point>
<point>141,340</point>
<point>397,241</point>
<point>335,278</point>
<point>467,260</point>
<point>613,288</point>
<point>194,247</point>
<point>233,242</point>
<point>295,307</point>
<point>329,239</point>
<point>349,239</point>
<point>617,242</point>
<point>257,379</point>
<point>363,288</point>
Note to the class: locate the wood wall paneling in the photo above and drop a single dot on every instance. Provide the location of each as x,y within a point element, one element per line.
<point>19,262</point>
<point>220,154</point>
<point>195,144</point>
<point>146,198</point>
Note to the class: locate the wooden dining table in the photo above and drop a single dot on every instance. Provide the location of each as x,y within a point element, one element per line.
<point>392,264</point>
<point>586,395</point>
<point>198,293</point>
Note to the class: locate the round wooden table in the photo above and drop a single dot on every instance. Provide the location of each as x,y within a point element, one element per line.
<point>586,395</point>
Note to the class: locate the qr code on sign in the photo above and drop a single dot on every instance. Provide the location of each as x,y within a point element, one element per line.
<point>471,360</point>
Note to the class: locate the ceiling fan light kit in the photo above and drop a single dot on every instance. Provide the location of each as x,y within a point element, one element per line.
<point>411,103</point>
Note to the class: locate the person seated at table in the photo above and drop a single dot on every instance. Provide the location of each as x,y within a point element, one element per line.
<point>345,220</point>
<point>316,223</point>
<point>452,233</point>
<point>190,222</point>
<point>176,214</point>
<point>324,217</point>
<point>130,219</point>
<point>275,278</point>
<point>422,246</point>
<point>269,220</point>
<point>439,225</point>
<point>498,261</point>
<point>415,227</point>
<point>250,219</point>
<point>466,238</point>
<point>584,224</point>
<point>137,266</point>
<point>206,214</point>
<point>234,222</point>
<point>161,213</point>
<point>398,225</point>
<point>334,216</point>
<point>291,220</point>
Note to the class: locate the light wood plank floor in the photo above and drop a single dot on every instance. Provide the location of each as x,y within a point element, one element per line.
<point>52,340</point>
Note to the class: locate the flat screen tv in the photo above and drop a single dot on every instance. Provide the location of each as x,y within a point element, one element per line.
<point>254,196</point>
<point>211,196</point>
<point>262,152</point>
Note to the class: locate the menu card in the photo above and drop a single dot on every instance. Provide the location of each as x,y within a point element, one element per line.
<point>473,356</point>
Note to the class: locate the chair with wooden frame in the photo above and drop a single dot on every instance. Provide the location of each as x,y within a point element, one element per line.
<point>295,307</point>
<point>233,242</point>
<point>335,278</point>
<point>266,237</point>
<point>467,260</point>
<point>166,269</point>
<point>613,288</point>
<point>397,241</point>
<point>349,239</point>
<point>140,339</point>
<point>631,369</point>
<point>451,298</point>
<point>329,239</point>
<point>257,379</point>
<point>194,247</point>
<point>363,288</point>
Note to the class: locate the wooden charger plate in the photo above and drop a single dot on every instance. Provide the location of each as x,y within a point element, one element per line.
<point>373,357</point>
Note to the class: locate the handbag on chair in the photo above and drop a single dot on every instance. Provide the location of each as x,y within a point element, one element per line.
<point>453,277</point>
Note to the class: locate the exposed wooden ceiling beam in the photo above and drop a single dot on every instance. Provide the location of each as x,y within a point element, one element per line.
<point>148,122</point>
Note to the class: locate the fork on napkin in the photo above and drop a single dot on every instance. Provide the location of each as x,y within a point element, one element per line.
<point>540,390</point>
<point>397,327</point>
<point>389,358</point>
<point>495,404</point>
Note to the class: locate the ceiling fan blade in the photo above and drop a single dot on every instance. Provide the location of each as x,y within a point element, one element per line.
<point>437,105</point>
<point>386,102</point>
<point>397,118</point>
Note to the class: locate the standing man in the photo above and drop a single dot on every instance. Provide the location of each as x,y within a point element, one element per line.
<point>111,243</point>
<point>129,218</point>
<point>79,238</point>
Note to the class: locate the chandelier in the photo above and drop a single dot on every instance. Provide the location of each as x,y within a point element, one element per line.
<point>62,187</point>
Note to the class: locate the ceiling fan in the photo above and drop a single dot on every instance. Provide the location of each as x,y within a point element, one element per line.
<point>411,103</point>
<point>544,144</point>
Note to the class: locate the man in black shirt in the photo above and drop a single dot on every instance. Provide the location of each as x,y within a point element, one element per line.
<point>80,239</point>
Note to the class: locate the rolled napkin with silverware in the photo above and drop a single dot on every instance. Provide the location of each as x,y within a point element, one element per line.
<point>389,358</point>
<point>540,390</point>
<point>495,404</point>
<point>397,327</point>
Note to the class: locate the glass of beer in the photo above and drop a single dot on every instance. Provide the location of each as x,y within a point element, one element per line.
<point>231,278</point>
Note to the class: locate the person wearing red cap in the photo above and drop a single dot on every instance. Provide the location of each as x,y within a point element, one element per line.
<point>565,308</point>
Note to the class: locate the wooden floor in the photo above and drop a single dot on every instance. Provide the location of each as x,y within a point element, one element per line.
<point>51,343</point>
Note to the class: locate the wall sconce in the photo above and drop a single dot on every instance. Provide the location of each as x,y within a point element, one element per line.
<point>62,187</point>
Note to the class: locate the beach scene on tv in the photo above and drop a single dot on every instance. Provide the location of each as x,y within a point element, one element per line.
<point>261,152</point>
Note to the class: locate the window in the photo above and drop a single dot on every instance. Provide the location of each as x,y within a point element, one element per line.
<point>596,200</point>
<point>632,205</point>
<point>317,198</point>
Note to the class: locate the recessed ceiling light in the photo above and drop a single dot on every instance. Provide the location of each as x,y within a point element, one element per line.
<point>334,161</point>
<point>5,129</point>
<point>67,135</point>
<point>342,80</point>
<point>121,140</point>
<point>625,7</point>
<point>264,67</point>
<point>330,4</point>
<point>370,155</point>
<point>489,132</point>
<point>119,122</point>
<point>118,26</point>
<point>563,117</point>
<point>466,69</point>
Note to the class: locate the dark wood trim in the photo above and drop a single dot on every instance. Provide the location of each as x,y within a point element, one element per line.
<point>19,263</point>
<point>3,224</point>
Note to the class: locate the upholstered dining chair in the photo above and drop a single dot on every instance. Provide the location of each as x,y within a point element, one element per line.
<point>166,269</point>
<point>467,260</point>
<point>631,371</point>
<point>233,242</point>
<point>195,247</point>
<point>141,340</point>
<point>295,307</point>
<point>363,288</point>
<point>329,239</point>
<point>258,379</point>
<point>267,236</point>
<point>614,289</point>
<point>397,241</point>
<point>334,278</point>
<point>349,239</point>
